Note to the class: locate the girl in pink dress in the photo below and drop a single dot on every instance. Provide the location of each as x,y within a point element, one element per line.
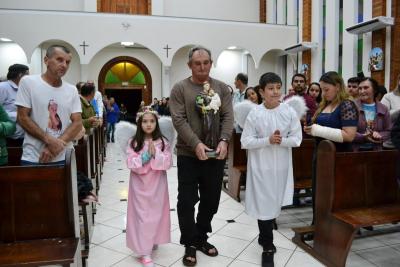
<point>148,157</point>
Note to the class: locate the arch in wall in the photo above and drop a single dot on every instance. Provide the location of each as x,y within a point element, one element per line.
<point>11,53</point>
<point>128,73</point>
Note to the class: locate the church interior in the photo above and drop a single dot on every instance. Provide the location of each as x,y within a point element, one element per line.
<point>135,51</point>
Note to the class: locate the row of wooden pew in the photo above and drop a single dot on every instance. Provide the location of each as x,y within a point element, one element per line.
<point>39,208</point>
<point>354,190</point>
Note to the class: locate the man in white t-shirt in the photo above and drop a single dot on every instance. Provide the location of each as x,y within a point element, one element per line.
<point>49,110</point>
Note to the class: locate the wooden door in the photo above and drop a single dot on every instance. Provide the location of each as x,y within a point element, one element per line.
<point>134,7</point>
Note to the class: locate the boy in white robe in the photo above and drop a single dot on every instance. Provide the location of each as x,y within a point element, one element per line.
<point>270,131</point>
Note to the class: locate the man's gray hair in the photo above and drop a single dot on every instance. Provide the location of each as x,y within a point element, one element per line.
<point>196,48</point>
<point>51,49</point>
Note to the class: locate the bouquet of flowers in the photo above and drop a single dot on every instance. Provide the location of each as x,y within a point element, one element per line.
<point>208,103</point>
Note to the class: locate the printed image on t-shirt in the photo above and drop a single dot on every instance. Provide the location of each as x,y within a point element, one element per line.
<point>54,125</point>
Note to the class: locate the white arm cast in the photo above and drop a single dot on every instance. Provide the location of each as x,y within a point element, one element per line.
<point>329,133</point>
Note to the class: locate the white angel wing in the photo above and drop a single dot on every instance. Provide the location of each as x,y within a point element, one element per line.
<point>298,104</point>
<point>241,110</point>
<point>168,130</point>
<point>123,132</point>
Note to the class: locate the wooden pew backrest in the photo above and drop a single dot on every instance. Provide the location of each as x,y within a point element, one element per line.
<point>37,202</point>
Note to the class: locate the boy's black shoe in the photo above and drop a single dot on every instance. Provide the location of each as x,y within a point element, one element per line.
<point>266,248</point>
<point>267,258</point>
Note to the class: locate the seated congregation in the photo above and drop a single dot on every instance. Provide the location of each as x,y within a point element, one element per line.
<point>348,158</point>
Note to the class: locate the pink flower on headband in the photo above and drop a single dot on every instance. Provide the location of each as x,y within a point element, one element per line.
<point>146,109</point>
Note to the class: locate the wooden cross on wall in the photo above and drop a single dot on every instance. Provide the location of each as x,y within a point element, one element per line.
<point>167,48</point>
<point>84,45</point>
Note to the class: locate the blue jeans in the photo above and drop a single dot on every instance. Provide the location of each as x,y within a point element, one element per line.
<point>110,131</point>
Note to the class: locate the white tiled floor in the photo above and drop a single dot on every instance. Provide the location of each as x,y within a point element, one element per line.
<point>236,242</point>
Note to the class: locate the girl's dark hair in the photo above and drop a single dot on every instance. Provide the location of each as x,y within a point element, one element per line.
<point>255,89</point>
<point>319,97</point>
<point>138,139</point>
<point>374,84</point>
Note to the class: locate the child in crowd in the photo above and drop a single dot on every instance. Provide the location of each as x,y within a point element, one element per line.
<point>270,132</point>
<point>314,90</point>
<point>148,158</point>
<point>253,94</point>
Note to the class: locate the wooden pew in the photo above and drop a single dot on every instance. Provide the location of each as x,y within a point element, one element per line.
<point>82,151</point>
<point>93,168</point>
<point>237,165</point>
<point>354,189</point>
<point>97,152</point>
<point>302,166</point>
<point>39,215</point>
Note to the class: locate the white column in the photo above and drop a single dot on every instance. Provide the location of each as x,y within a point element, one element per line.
<point>316,36</point>
<point>388,45</point>
<point>299,58</point>
<point>332,35</point>
<point>85,73</point>
<point>166,81</point>
<point>281,11</point>
<point>367,37</point>
<point>157,7</point>
<point>271,11</point>
<point>90,5</point>
<point>292,12</point>
<point>349,56</point>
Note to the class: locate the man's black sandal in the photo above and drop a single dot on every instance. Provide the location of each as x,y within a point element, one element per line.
<point>190,252</point>
<point>267,258</point>
<point>205,247</point>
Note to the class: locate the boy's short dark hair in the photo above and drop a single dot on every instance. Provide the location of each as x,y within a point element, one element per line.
<point>267,78</point>
<point>354,80</point>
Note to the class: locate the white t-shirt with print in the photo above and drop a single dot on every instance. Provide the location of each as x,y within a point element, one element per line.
<point>51,109</point>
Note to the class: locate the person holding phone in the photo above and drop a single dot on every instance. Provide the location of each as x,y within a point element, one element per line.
<point>199,173</point>
<point>374,123</point>
<point>336,120</point>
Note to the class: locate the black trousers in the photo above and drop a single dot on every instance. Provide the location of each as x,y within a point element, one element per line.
<point>266,237</point>
<point>198,180</point>
<point>14,142</point>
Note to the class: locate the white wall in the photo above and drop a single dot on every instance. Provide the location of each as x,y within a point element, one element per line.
<point>67,5</point>
<point>11,53</point>
<point>144,55</point>
<point>226,66</point>
<point>238,10</point>
<point>271,62</point>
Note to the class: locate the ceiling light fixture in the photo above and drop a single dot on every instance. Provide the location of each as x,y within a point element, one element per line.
<point>127,43</point>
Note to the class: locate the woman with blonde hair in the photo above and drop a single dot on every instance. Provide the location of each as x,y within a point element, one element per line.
<point>335,119</point>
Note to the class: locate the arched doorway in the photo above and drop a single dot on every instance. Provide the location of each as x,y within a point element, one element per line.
<point>127,80</point>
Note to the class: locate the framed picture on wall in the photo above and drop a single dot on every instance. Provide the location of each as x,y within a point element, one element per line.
<point>376,59</point>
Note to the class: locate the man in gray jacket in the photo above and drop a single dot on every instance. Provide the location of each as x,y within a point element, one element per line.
<point>202,149</point>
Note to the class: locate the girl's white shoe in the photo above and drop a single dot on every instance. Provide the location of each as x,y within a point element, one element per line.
<point>146,261</point>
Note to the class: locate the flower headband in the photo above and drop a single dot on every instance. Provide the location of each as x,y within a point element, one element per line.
<point>145,110</point>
